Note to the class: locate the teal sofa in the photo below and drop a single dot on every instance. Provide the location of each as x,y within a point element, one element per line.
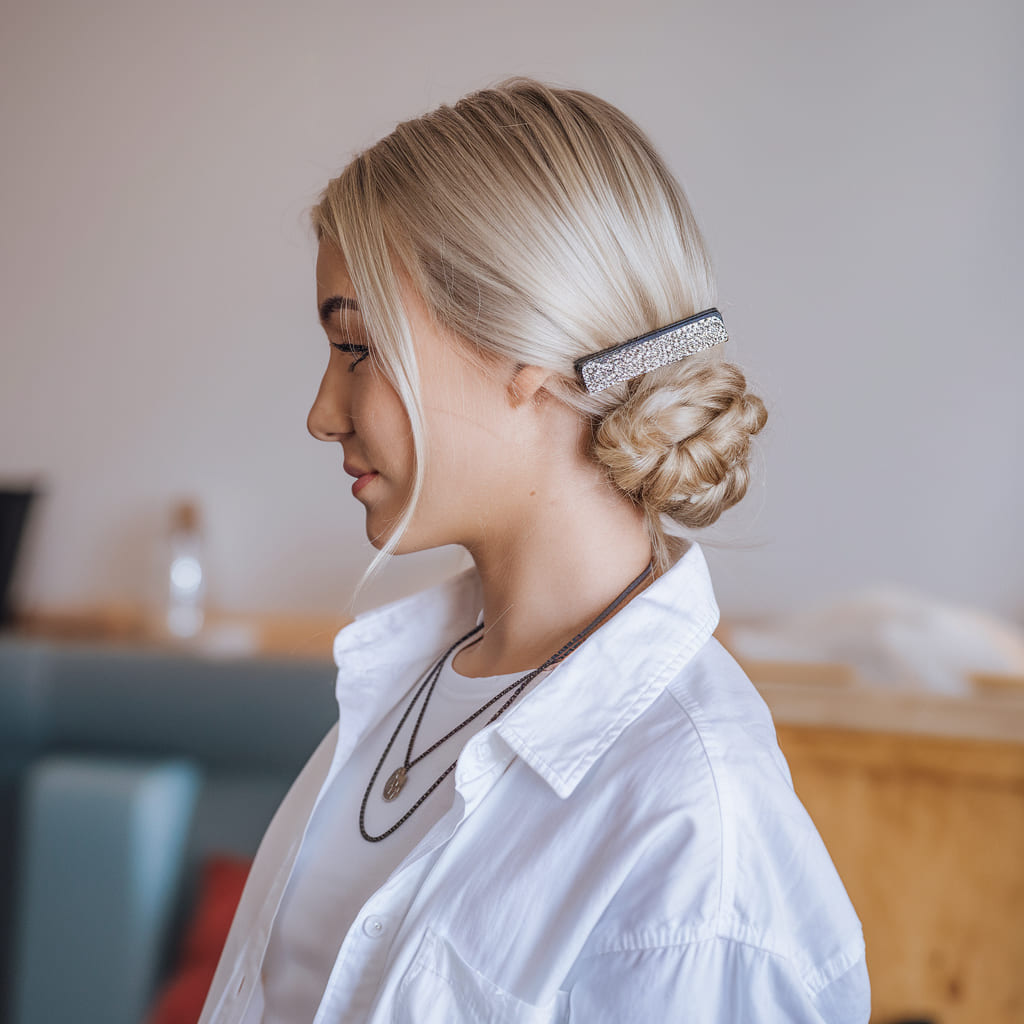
<point>121,771</point>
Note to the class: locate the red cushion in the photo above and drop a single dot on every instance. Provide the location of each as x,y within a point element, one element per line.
<point>181,998</point>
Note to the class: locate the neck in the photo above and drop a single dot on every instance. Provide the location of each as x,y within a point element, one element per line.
<point>546,578</point>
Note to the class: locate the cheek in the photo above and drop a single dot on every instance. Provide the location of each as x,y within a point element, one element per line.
<point>385,424</point>
<point>467,460</point>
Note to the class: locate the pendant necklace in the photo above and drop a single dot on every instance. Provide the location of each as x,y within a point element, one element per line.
<point>397,779</point>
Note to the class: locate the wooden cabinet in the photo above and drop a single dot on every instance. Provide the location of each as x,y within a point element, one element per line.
<point>921,804</point>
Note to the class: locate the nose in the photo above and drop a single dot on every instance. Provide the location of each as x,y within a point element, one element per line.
<point>329,417</point>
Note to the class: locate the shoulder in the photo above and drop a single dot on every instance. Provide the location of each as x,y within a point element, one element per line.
<point>719,703</point>
<point>708,740</point>
<point>737,859</point>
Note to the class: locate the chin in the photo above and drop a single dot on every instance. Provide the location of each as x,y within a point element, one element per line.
<point>378,536</point>
<point>408,544</point>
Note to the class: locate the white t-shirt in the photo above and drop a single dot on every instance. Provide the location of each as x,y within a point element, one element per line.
<point>337,869</point>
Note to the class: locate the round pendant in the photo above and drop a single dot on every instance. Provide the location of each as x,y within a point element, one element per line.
<point>396,780</point>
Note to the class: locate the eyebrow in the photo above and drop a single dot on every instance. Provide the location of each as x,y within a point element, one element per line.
<point>331,306</point>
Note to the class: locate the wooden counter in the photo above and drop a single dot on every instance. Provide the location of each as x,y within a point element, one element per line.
<point>224,632</point>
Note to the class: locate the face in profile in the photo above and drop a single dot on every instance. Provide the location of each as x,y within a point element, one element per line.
<point>471,460</point>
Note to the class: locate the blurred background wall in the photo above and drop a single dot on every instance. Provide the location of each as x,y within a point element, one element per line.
<point>856,169</point>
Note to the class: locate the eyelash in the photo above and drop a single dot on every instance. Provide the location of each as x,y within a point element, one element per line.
<point>355,350</point>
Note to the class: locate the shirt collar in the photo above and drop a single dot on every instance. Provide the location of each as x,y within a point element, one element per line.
<point>564,725</point>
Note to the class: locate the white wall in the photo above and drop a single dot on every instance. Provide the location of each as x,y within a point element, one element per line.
<point>856,169</point>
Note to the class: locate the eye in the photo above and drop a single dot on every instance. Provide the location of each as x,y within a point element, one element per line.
<point>355,350</point>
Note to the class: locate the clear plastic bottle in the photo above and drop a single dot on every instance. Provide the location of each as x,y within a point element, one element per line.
<point>186,579</point>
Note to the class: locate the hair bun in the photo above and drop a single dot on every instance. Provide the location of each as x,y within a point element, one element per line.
<point>683,450</point>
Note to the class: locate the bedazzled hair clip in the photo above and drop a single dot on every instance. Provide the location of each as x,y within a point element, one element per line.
<point>666,345</point>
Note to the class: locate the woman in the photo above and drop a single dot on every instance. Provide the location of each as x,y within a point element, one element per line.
<point>551,794</point>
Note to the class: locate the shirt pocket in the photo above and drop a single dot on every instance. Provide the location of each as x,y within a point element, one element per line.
<point>440,985</point>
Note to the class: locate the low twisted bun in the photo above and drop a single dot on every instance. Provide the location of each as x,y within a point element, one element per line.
<point>681,447</point>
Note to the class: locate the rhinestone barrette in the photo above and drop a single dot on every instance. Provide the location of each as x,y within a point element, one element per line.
<point>659,348</point>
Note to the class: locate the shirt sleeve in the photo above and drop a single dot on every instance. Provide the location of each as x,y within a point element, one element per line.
<point>719,981</point>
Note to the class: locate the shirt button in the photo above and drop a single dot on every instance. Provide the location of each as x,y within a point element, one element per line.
<point>373,926</point>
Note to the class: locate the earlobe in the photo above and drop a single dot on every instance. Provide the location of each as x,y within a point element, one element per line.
<point>526,383</point>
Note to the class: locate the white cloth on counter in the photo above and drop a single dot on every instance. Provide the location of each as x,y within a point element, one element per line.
<point>893,637</point>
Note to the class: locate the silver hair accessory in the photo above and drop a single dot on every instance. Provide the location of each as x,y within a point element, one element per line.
<point>666,345</point>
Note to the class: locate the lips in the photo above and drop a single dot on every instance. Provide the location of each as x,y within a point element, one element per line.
<point>362,481</point>
<point>363,476</point>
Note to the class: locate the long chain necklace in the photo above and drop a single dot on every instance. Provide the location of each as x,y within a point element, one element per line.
<point>396,781</point>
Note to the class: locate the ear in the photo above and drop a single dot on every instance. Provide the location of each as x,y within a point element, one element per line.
<point>526,384</point>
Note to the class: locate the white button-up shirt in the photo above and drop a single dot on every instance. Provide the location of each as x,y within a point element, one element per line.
<point>624,844</point>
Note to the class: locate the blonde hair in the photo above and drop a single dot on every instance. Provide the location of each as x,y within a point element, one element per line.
<point>539,225</point>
